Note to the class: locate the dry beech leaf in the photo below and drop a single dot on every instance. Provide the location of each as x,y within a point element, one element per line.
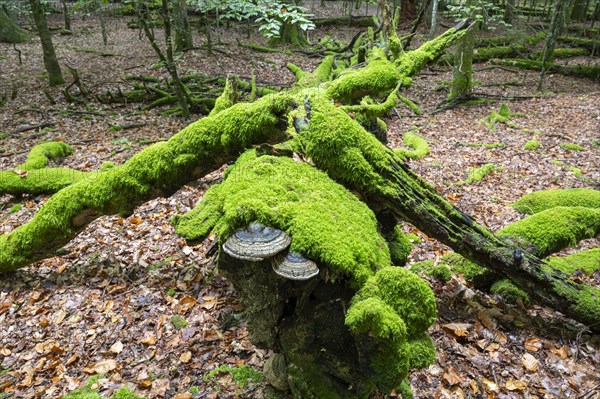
<point>186,304</point>
<point>117,347</point>
<point>186,357</point>
<point>561,352</point>
<point>533,344</point>
<point>149,338</point>
<point>28,380</point>
<point>458,329</point>
<point>452,377</point>
<point>529,362</point>
<point>185,395</point>
<point>487,319</point>
<point>102,367</point>
<point>473,386</point>
<point>515,385</point>
<point>491,385</point>
<point>501,338</point>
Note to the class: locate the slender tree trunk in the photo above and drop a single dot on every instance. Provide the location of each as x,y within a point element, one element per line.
<point>509,11</point>
<point>10,32</point>
<point>434,10</point>
<point>55,76</point>
<point>408,10</point>
<point>183,33</point>
<point>66,15</point>
<point>556,27</point>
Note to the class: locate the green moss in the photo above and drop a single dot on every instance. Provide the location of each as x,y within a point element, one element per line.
<point>480,276</point>
<point>15,208</point>
<point>564,52</point>
<point>225,100</point>
<point>320,75</point>
<point>408,295</point>
<point>413,238</point>
<point>422,352</point>
<point>241,375</point>
<point>86,391</point>
<point>326,222</point>
<point>588,261</point>
<point>440,272</point>
<point>41,154</point>
<point>532,145</point>
<point>574,147</point>
<point>503,115</point>
<point>419,146</point>
<point>405,391</point>
<point>541,200</point>
<point>509,292</point>
<point>400,247</point>
<point>395,308</point>
<point>477,174</point>
<point>125,393</point>
<point>179,322</point>
<point>554,229</point>
<point>411,105</point>
<point>39,181</point>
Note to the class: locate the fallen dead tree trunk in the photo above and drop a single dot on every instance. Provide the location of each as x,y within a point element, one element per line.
<point>583,71</point>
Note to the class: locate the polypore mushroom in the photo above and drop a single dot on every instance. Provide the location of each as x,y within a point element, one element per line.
<point>294,266</point>
<point>256,242</point>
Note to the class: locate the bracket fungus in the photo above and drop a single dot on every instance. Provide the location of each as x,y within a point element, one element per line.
<point>256,242</point>
<point>294,266</point>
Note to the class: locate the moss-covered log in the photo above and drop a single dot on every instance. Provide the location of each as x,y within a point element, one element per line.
<point>590,72</point>
<point>386,181</point>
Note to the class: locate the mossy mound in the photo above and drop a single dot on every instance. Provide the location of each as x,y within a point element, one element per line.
<point>541,200</point>
<point>400,247</point>
<point>394,308</point>
<point>509,292</point>
<point>551,230</point>
<point>326,222</point>
<point>477,174</point>
<point>588,261</point>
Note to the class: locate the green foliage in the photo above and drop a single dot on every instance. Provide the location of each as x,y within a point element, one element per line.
<point>15,208</point>
<point>503,115</point>
<point>541,200</point>
<point>90,391</point>
<point>242,375</point>
<point>440,272</point>
<point>554,229</point>
<point>532,145</point>
<point>509,292</point>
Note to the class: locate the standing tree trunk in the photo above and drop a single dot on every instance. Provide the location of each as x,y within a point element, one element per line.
<point>408,10</point>
<point>66,15</point>
<point>462,69</point>
<point>55,76</point>
<point>183,33</point>
<point>556,27</point>
<point>10,32</point>
<point>509,11</point>
<point>434,10</point>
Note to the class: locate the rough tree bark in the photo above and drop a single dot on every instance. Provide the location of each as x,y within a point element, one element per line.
<point>308,120</point>
<point>55,76</point>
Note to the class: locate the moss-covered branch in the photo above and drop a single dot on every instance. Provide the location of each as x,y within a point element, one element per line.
<point>158,170</point>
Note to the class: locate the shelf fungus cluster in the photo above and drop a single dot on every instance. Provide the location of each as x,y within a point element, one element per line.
<point>342,322</point>
<point>257,243</point>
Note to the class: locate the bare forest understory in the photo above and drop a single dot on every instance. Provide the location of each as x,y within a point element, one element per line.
<point>130,299</point>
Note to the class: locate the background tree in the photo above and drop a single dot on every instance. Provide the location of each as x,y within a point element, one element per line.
<point>556,27</point>
<point>55,76</point>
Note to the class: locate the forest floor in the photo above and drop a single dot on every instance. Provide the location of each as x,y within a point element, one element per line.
<point>132,301</point>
